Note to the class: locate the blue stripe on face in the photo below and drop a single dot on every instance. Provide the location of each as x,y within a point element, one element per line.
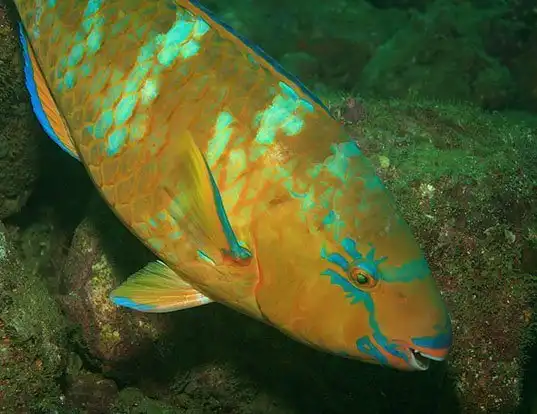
<point>339,260</point>
<point>365,346</point>
<point>373,345</point>
<point>443,340</point>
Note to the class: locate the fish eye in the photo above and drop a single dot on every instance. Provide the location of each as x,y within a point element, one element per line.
<point>361,278</point>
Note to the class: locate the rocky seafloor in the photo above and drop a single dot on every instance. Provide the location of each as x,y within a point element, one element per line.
<point>448,121</point>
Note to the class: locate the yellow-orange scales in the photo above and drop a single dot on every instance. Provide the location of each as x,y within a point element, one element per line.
<point>234,174</point>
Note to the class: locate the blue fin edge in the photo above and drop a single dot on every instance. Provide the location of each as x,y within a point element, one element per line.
<point>129,303</point>
<point>236,250</point>
<point>34,96</point>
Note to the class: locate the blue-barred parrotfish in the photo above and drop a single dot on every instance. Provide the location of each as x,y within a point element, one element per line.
<point>234,174</point>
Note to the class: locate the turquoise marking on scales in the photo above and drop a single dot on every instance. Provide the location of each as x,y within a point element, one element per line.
<point>222,133</point>
<point>237,161</point>
<point>180,42</point>
<point>85,42</point>
<point>41,7</point>
<point>93,24</point>
<point>286,113</point>
<point>37,19</point>
<point>154,222</point>
<point>143,81</point>
<point>338,165</point>
<point>182,39</point>
<point>116,141</point>
<point>124,109</point>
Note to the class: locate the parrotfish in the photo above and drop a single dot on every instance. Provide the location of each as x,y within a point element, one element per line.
<point>249,192</point>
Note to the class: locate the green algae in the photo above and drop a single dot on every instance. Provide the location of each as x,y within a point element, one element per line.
<point>427,55</point>
<point>450,149</point>
<point>18,158</point>
<point>133,401</point>
<point>33,339</point>
<point>11,79</point>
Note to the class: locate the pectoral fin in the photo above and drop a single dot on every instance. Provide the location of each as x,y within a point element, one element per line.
<point>198,206</point>
<point>157,289</point>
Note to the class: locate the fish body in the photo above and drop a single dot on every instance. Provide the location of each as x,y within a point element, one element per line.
<point>234,174</point>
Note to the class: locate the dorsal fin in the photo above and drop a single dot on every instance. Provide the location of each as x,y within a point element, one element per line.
<point>43,103</point>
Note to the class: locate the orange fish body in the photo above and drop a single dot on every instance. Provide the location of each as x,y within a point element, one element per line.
<point>234,175</point>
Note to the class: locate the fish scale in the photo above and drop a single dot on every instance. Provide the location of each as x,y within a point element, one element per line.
<point>234,174</point>
<point>138,156</point>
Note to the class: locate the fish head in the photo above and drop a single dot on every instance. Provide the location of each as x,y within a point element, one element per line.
<point>344,274</point>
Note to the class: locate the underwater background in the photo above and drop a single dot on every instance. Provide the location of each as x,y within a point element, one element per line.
<point>442,97</point>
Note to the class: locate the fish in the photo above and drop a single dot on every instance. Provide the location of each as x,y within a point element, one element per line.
<point>235,175</point>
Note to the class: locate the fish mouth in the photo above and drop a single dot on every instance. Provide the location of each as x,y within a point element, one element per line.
<point>420,360</point>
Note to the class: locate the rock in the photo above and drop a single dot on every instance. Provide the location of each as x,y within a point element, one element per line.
<point>133,401</point>
<point>33,338</point>
<point>478,51</point>
<point>430,57</point>
<point>213,387</point>
<point>92,269</point>
<point>300,64</point>
<point>91,393</point>
<point>329,43</point>
<point>19,131</point>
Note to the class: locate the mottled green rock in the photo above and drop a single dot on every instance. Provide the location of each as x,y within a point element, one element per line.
<point>440,54</point>
<point>132,401</point>
<point>477,51</point>
<point>112,334</point>
<point>329,43</point>
<point>90,393</point>
<point>33,338</point>
<point>19,131</point>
